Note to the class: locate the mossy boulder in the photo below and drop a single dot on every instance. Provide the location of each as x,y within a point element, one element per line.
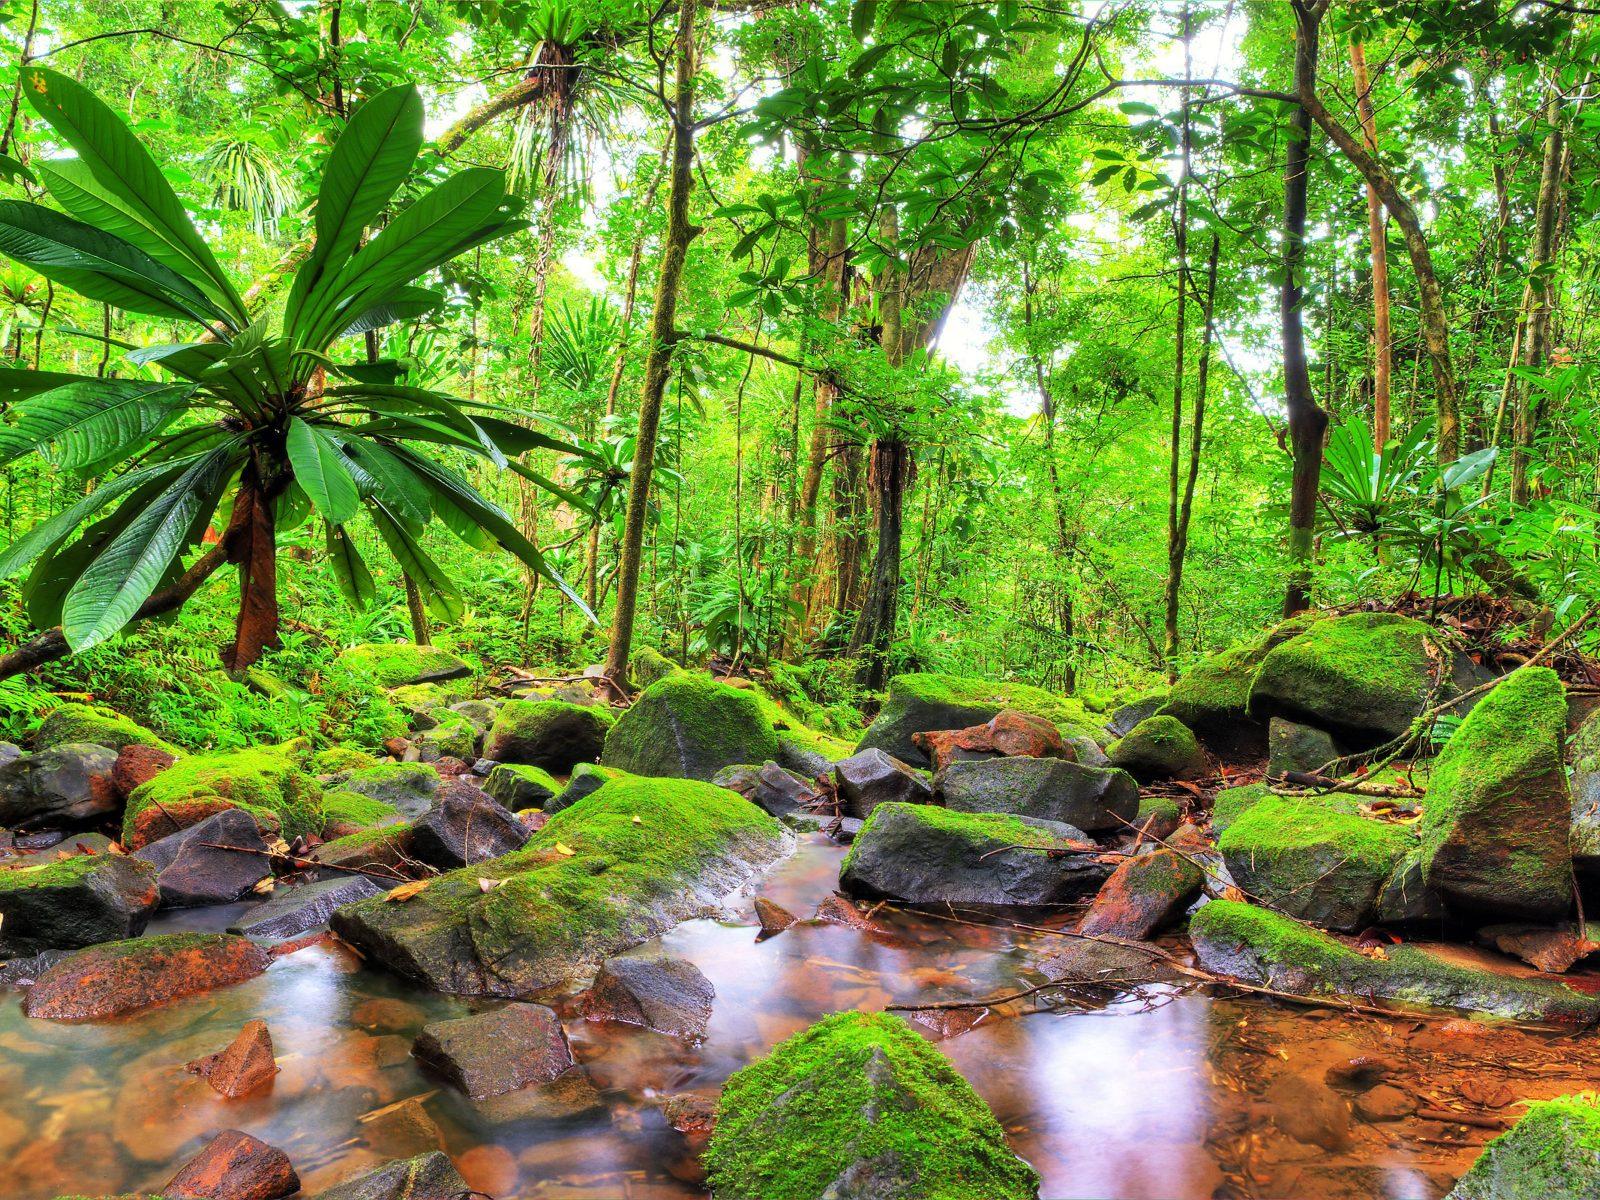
<point>418,700</point>
<point>1366,676</point>
<point>648,664</point>
<point>1272,950</point>
<point>268,782</point>
<point>341,760</point>
<point>1292,747</point>
<point>1213,696</point>
<point>519,786</point>
<point>1313,863</point>
<point>385,851</point>
<point>617,868</point>
<point>1159,748</point>
<point>551,734</point>
<point>1583,757</point>
<point>1158,816</point>
<point>859,1106</point>
<point>689,727</point>
<point>1552,1153</point>
<point>450,736</point>
<point>926,702</point>
<point>1229,804</point>
<point>409,788</point>
<point>397,664</point>
<point>350,812</point>
<point>68,903</point>
<point>96,725</point>
<point>586,780</point>
<point>1496,822</point>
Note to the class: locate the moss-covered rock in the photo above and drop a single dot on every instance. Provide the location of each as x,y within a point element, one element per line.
<point>396,664</point>
<point>586,780</point>
<point>860,1106</point>
<point>1144,894</point>
<point>1311,862</point>
<point>409,788</point>
<point>1496,821</point>
<point>341,760</point>
<point>518,786</point>
<point>551,734</point>
<point>386,851</point>
<point>648,664</point>
<point>350,812</point>
<point>450,736</point>
<point>1552,1153</point>
<point>1158,816</point>
<point>1159,748</point>
<point>268,782</point>
<point>1094,799</point>
<point>1267,948</point>
<point>1230,804</point>
<point>73,902</point>
<point>924,702</point>
<point>1213,696</point>
<point>1292,747</point>
<point>1583,756</point>
<point>617,868</point>
<point>689,727</point>
<point>96,725</point>
<point>418,700</point>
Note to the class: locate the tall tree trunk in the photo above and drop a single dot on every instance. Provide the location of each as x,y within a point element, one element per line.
<point>1541,299</point>
<point>1307,421</point>
<point>1180,233</point>
<point>1179,549</point>
<point>1382,340</point>
<point>662,338</point>
<point>1065,549</point>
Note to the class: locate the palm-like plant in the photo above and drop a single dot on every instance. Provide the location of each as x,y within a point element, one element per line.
<point>253,420</point>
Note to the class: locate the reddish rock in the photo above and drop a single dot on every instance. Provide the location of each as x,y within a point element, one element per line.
<point>450,766</point>
<point>246,1064</point>
<point>122,977</point>
<point>138,764</point>
<point>836,910</point>
<point>490,1170</point>
<point>153,823</point>
<point>1010,734</point>
<point>235,1166</point>
<point>1143,894</point>
<point>693,1116</point>
<point>937,1024</point>
<point>492,1053</point>
<point>774,918</point>
<point>396,747</point>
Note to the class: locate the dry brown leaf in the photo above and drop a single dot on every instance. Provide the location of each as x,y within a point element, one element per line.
<point>398,895</point>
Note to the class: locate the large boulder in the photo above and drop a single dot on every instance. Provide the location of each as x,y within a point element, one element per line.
<point>66,784</point>
<point>216,861</point>
<point>859,1107</point>
<point>1094,799</point>
<point>1213,696</point>
<point>690,727</point>
<point>1366,676</point>
<point>464,826</point>
<point>400,664</point>
<point>1159,747</point>
<point>1292,747</point>
<point>268,782</point>
<point>619,867</point>
<point>97,725</point>
<point>492,1053</point>
<point>430,1176</point>
<point>1496,822</point>
<point>869,778</point>
<point>1583,754</point>
<point>519,786</point>
<point>1552,1153</point>
<point>74,902</point>
<point>926,703</point>
<point>408,788</point>
<point>123,977</point>
<point>1313,862</point>
<point>551,734</point>
<point>925,854</point>
<point>344,813</point>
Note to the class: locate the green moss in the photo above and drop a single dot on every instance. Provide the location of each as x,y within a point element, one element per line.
<point>393,665</point>
<point>648,664</point>
<point>1552,1153</point>
<point>264,780</point>
<point>690,726</point>
<point>336,759</point>
<point>980,828</point>
<point>1159,747</point>
<point>1065,712</point>
<point>1230,803</point>
<point>517,785</point>
<point>1214,694</point>
<point>351,843</point>
<point>56,873</point>
<point>859,1090</point>
<point>452,736</point>
<point>1277,939</point>
<point>352,808</point>
<point>418,700</point>
<point>1164,810</point>
<point>95,724</point>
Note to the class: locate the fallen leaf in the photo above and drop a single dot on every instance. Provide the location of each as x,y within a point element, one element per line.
<point>636,820</point>
<point>406,891</point>
<point>563,848</point>
<point>489,885</point>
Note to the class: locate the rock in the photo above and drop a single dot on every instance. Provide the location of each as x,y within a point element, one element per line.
<point>21,972</point>
<point>1309,1112</point>
<point>645,854</point>
<point>123,977</point>
<point>859,1107</point>
<point>1213,697</point>
<point>1158,817</point>
<point>1583,754</point>
<point>1094,799</point>
<point>429,1176</point>
<point>924,854</point>
<point>464,826</point>
<point>1107,963</point>
<point>215,862</point>
<point>1313,863</point>
<point>771,788</point>
<point>1159,748</point>
<point>1292,747</point>
<point>1125,717</point>
<point>385,852</point>
<point>925,703</point>
<point>408,788</point>
<point>451,736</point>
<point>774,917</point>
<point>648,664</point>
<point>1365,676</point>
<point>480,712</point>
<point>67,784</point>
<point>1008,734</point>
<point>1143,895</point>
<point>1406,899</point>
<point>293,910</point>
<point>337,763</point>
<point>1385,1103</point>
<point>1361,1070</point>
<point>1494,829</point>
<point>245,1065</point>
<point>668,995</point>
<point>151,824</point>
<point>1229,804</point>
<point>518,786</point>
<point>399,664</point>
<point>548,733</point>
<point>836,910</point>
<point>871,777</point>
<point>344,813</point>
<point>491,1053</point>
<point>1265,948</point>
<point>268,782</point>
<point>690,727</point>
<point>73,902</point>
<point>567,1097</point>
<point>138,764</point>
<point>1552,950</point>
<point>1552,1153</point>
<point>586,780</point>
<point>234,1166</point>
<point>97,725</point>
<point>1086,751</point>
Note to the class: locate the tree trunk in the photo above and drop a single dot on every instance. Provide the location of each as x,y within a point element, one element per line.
<point>1066,618</point>
<point>1382,342</point>
<point>1541,299</point>
<point>662,340</point>
<point>252,547</point>
<point>1180,232</point>
<point>421,632</point>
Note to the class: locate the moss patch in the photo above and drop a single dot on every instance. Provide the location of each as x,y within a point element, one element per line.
<point>336,760</point>
<point>1552,1153</point>
<point>264,781</point>
<point>452,736</point>
<point>97,725</point>
<point>352,808</point>
<point>648,664</point>
<point>1159,748</point>
<point>690,726</point>
<point>517,785</point>
<point>396,664</point>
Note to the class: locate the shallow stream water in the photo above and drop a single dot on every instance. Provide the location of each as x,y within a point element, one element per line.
<point>1159,1092</point>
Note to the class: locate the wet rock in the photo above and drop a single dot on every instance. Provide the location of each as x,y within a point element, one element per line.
<point>151,824</point>
<point>1293,747</point>
<point>774,918</point>
<point>298,909</point>
<point>97,725</point>
<point>770,787</point>
<point>567,1097</point>
<point>1087,751</point>
<point>586,780</point>
<point>219,860</point>
<point>1361,1070</point>
<point>1552,1153</point>
<point>122,977</point>
<point>397,664</point>
<point>74,902</point>
<point>244,1066</point>
<point>668,995</point>
<point>924,854</point>
<point>490,1170</point>
<point>836,910</point>
<point>1310,1112</point>
<point>21,972</point>
<point>1159,748</point>
<point>690,727</point>
<point>1089,798</point>
<point>451,738</point>
<point>1158,817</point>
<point>518,786</point>
<point>1143,895</point>
<point>871,777</point>
<point>1007,734</point>
<point>138,764</point>
<point>1385,1103</point>
<point>1124,718</point>
<point>1406,898</point>
<point>551,734</point>
<point>1550,949</point>
<point>878,1111</point>
<point>426,1177</point>
<point>384,852</point>
<point>68,784</point>
<point>234,1166</point>
<point>408,788</point>
<point>625,865</point>
<point>942,1024</point>
<point>491,1053</point>
<point>464,826</point>
<point>1108,964</point>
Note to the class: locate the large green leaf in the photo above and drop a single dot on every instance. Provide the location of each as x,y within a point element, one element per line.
<point>404,304</point>
<point>18,383</point>
<point>130,179</point>
<point>87,420</point>
<point>350,572</point>
<point>382,476</point>
<point>320,468</point>
<point>391,398</point>
<point>370,160</point>
<point>127,571</point>
<point>438,593</point>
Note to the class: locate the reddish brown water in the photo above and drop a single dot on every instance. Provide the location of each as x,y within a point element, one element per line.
<point>1155,1093</point>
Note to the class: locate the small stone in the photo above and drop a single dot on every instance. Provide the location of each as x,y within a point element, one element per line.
<point>836,910</point>
<point>774,917</point>
<point>668,995</point>
<point>773,788</point>
<point>1159,747</point>
<point>495,1052</point>
<point>247,1063</point>
<point>1310,1112</point>
<point>1385,1103</point>
<point>1362,1070</point>
<point>234,1166</point>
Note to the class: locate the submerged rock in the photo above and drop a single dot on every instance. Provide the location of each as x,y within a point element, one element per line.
<point>858,1107</point>
<point>74,902</point>
<point>618,868</point>
<point>1552,1153</point>
<point>1108,964</point>
<point>464,826</point>
<point>234,1166</point>
<point>245,1065</point>
<point>67,784</point>
<point>122,977</point>
<point>399,664</point>
<point>668,995</point>
<point>1159,748</point>
<point>216,861</point>
<point>300,908</point>
<point>429,1176</point>
<point>1095,799</point>
<point>927,703</point>
<point>548,733</point>
<point>690,727</point>
<point>491,1053</point>
<point>871,777</point>
<point>1144,894</point>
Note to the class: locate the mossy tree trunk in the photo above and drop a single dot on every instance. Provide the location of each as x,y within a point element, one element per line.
<point>1541,297</point>
<point>1377,235</point>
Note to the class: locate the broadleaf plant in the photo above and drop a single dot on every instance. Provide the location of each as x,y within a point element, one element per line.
<point>252,418</point>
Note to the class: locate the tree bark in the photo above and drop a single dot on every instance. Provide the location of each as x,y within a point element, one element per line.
<point>1180,233</point>
<point>253,548</point>
<point>1377,235</point>
<point>1065,615</point>
<point>1541,298</point>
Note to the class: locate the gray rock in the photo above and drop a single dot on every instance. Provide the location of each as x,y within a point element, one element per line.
<point>774,789</point>
<point>1406,897</point>
<point>668,995</point>
<point>1090,798</point>
<point>491,1053</point>
<point>869,778</point>
<point>295,910</point>
<point>69,784</point>
<point>9,751</point>
<point>465,825</point>
<point>1159,747</point>
<point>518,786</point>
<point>796,756</point>
<point>1583,757</point>
<point>427,1177</point>
<point>1294,747</point>
<point>66,904</point>
<point>1086,750</point>
<point>1125,718</point>
<point>215,862</point>
<point>480,712</point>
<point>407,787</point>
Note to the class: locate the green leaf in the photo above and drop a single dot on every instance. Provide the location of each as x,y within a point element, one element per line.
<point>383,477</point>
<point>319,467</point>
<point>438,593</point>
<point>862,15</point>
<point>350,573</point>
<point>86,420</point>
<point>406,304</point>
<point>14,170</point>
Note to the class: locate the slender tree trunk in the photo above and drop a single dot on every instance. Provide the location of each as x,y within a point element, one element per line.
<point>662,338</point>
<point>253,549</point>
<point>1179,548</point>
<point>1065,549</point>
<point>1541,299</point>
<point>1180,232</point>
<point>421,632</point>
<point>1382,341</point>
